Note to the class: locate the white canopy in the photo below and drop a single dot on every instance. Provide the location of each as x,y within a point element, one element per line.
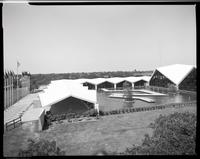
<point>176,73</point>
<point>62,89</point>
<point>59,90</point>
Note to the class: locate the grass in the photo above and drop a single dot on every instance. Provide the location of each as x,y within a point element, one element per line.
<point>112,133</point>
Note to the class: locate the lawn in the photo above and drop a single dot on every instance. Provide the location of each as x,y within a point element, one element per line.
<point>112,133</point>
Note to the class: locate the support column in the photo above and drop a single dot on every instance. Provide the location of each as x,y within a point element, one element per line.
<point>95,87</point>
<point>132,85</point>
<point>115,86</point>
<point>96,106</point>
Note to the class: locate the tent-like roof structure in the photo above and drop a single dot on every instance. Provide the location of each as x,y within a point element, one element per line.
<point>96,81</point>
<point>62,89</point>
<point>176,73</point>
<point>59,90</point>
<point>115,80</point>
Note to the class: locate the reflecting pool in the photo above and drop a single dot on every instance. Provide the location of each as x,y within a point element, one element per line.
<point>106,103</point>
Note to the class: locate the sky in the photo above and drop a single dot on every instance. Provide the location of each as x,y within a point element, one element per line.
<point>65,39</point>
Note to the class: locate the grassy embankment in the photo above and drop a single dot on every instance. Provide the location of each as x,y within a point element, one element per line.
<point>112,133</point>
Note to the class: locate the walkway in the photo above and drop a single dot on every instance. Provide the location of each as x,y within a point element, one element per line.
<point>20,107</point>
<point>138,98</point>
<point>137,92</point>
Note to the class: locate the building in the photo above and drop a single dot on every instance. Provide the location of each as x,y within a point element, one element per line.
<point>182,77</point>
<point>64,96</point>
<point>79,95</point>
<point>116,82</point>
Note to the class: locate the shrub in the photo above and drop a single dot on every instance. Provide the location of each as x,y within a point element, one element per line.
<point>114,112</point>
<point>118,111</point>
<point>174,134</point>
<point>101,112</point>
<point>63,116</point>
<point>107,113</point>
<point>133,110</point>
<point>93,112</point>
<point>41,148</point>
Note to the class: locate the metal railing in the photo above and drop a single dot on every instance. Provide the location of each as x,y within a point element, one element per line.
<point>13,123</point>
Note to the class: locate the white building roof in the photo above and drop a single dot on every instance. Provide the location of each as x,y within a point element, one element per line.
<point>136,79</point>
<point>146,78</point>
<point>96,81</point>
<point>62,89</point>
<point>115,79</point>
<point>59,90</point>
<point>176,73</point>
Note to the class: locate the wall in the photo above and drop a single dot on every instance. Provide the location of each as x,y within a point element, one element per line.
<point>189,83</point>
<point>158,79</point>
<point>70,104</point>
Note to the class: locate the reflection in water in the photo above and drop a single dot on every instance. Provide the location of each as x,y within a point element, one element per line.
<point>106,103</point>
<point>128,104</point>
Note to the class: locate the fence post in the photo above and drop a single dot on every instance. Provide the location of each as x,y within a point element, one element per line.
<point>10,91</point>
<point>4,92</point>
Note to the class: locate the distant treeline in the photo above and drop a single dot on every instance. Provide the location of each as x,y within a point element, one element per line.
<point>44,79</point>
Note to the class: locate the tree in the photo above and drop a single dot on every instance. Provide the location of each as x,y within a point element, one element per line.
<point>127,91</point>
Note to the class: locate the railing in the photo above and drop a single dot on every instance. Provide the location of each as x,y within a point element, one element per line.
<point>160,89</point>
<point>12,94</point>
<point>190,92</point>
<point>13,123</point>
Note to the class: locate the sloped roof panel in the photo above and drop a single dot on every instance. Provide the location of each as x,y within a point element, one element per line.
<point>64,89</point>
<point>115,79</point>
<point>96,81</point>
<point>176,73</point>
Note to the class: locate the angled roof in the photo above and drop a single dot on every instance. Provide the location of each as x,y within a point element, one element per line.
<point>136,79</point>
<point>96,81</point>
<point>115,80</point>
<point>146,78</point>
<point>60,90</point>
<point>176,73</point>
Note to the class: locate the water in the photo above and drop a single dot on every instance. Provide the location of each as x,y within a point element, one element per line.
<point>107,104</point>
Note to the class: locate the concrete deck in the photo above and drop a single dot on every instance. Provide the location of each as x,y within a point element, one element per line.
<point>32,114</point>
<point>21,107</point>
<point>148,92</point>
<point>138,98</point>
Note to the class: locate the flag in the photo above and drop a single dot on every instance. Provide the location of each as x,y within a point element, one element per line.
<point>10,72</point>
<point>18,64</point>
<point>13,74</point>
<point>6,74</point>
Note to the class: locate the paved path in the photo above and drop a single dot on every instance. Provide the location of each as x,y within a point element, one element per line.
<point>20,107</point>
<point>137,92</point>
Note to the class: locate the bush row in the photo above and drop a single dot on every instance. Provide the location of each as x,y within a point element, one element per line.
<point>129,110</point>
<point>49,117</point>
